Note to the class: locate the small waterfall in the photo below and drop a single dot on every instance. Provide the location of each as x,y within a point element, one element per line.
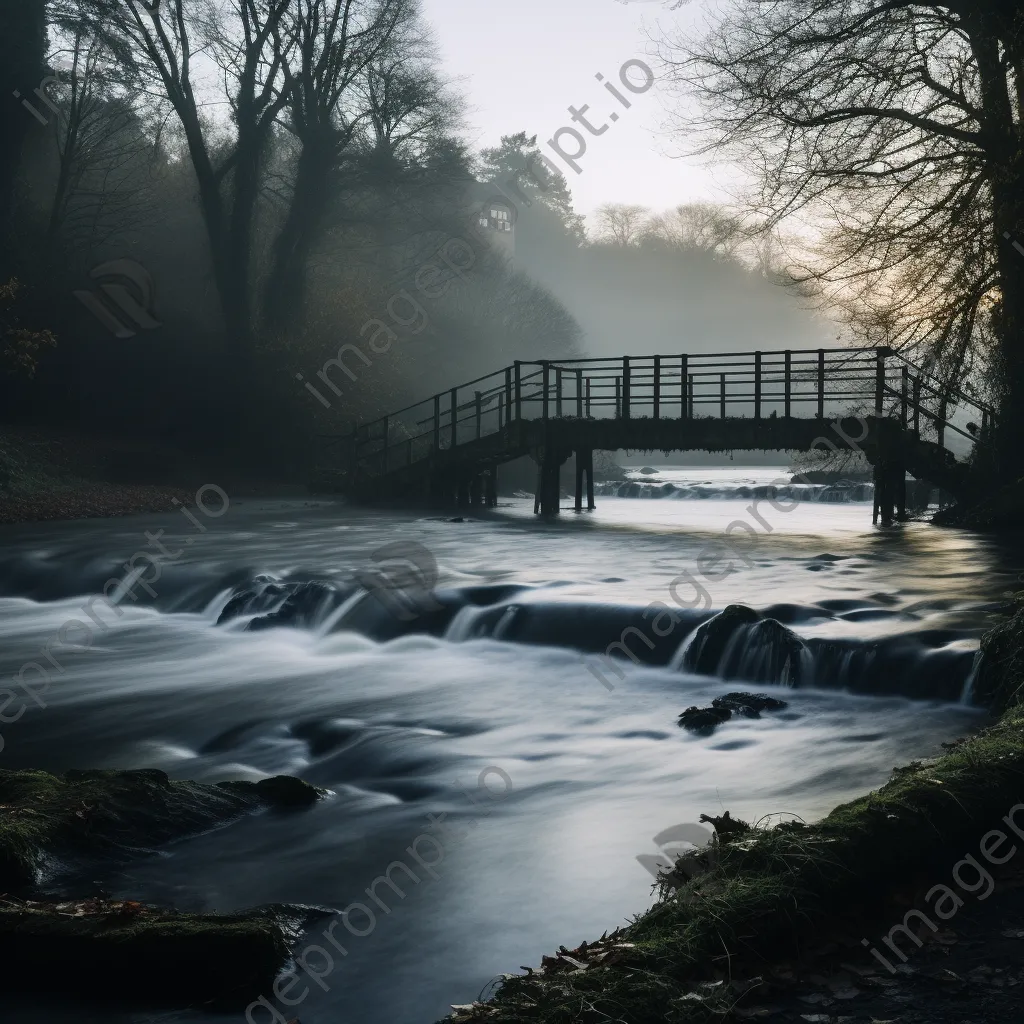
<point>688,652</point>
<point>766,652</point>
<point>463,625</point>
<point>967,694</point>
<point>739,644</point>
<point>504,624</point>
<point>837,493</point>
<point>333,620</point>
<point>215,607</point>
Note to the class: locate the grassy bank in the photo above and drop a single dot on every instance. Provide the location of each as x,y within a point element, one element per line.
<point>763,894</point>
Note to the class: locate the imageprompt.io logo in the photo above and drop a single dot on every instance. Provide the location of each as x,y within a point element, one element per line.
<point>122,311</point>
<point>674,842</point>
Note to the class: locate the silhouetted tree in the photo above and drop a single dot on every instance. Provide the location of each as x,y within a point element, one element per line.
<point>326,46</point>
<point>244,38</point>
<point>22,46</point>
<point>894,129</point>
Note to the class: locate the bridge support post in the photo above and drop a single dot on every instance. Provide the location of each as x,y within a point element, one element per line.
<point>546,499</point>
<point>883,506</point>
<point>550,494</point>
<point>900,487</point>
<point>584,465</point>
<point>440,488</point>
<point>890,493</point>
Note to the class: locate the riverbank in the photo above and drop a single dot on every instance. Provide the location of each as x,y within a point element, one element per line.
<point>47,474</point>
<point>1001,511</point>
<point>784,919</point>
<point>53,475</point>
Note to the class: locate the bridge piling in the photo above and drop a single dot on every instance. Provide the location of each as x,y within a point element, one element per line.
<point>550,492</point>
<point>584,466</point>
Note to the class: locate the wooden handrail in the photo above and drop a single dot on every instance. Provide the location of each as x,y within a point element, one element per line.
<point>631,384</point>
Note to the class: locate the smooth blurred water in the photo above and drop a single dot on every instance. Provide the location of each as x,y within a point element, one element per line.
<point>398,730</point>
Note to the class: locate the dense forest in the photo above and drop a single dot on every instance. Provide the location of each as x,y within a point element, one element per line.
<point>203,203</point>
<point>200,202</point>
<point>206,206</point>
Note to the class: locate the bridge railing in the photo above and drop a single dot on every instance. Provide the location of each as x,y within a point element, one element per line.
<point>806,383</point>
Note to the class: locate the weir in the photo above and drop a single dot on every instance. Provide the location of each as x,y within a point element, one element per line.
<point>448,448</point>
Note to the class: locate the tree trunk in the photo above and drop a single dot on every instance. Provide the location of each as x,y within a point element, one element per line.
<point>1005,158</point>
<point>22,50</point>
<point>1009,221</point>
<point>286,288</point>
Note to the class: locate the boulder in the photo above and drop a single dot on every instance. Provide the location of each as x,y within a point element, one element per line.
<point>704,720</point>
<point>94,816</point>
<point>303,607</point>
<point>749,705</point>
<point>709,642</point>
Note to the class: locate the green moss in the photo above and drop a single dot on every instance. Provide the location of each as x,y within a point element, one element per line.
<point>1000,681</point>
<point>89,815</point>
<point>111,950</point>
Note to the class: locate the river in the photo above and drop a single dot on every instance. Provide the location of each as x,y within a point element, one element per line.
<point>404,712</point>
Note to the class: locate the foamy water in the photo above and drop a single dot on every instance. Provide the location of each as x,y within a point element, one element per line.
<point>398,717</point>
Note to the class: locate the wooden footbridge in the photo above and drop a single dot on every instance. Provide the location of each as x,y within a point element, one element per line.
<point>448,448</point>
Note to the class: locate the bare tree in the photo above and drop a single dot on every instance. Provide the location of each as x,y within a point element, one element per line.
<point>706,227</point>
<point>327,46</point>
<point>104,183</point>
<point>166,37</point>
<point>893,129</point>
<point>621,223</point>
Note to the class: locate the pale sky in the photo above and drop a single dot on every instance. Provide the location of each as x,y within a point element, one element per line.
<point>523,64</point>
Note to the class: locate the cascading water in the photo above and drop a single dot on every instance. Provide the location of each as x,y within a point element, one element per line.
<point>873,635</point>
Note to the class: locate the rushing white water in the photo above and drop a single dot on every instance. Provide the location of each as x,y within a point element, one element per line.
<point>398,716</point>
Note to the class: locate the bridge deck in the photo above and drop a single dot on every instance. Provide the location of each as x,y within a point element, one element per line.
<point>449,446</point>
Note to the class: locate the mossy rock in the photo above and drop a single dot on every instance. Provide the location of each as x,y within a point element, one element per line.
<point>1000,680</point>
<point>52,821</point>
<point>156,957</point>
